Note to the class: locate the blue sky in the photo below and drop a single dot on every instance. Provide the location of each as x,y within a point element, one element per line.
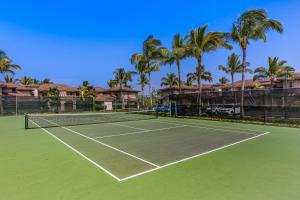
<point>72,41</point>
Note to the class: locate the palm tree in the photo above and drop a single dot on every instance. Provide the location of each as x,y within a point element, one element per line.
<point>26,80</point>
<point>252,25</point>
<point>143,81</point>
<point>140,67</point>
<point>170,80</point>
<point>87,90</point>
<point>276,69</point>
<point>112,83</point>
<point>178,53</point>
<point>6,64</point>
<point>152,57</point>
<point>9,79</point>
<point>233,66</point>
<point>46,81</point>
<point>223,80</point>
<point>201,42</point>
<point>199,75</point>
<point>122,77</point>
<point>35,81</point>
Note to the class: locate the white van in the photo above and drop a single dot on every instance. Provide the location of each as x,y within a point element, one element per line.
<point>230,109</point>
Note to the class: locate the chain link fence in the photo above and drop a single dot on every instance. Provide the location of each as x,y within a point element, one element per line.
<point>281,104</point>
<point>15,105</point>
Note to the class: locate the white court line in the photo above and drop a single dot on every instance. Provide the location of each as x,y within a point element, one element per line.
<point>132,127</point>
<point>205,127</point>
<point>111,147</point>
<point>79,153</point>
<point>189,158</point>
<point>137,132</point>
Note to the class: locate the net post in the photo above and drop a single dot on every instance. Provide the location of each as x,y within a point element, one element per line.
<point>26,121</point>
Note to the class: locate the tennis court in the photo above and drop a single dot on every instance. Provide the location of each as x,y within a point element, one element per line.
<point>127,145</point>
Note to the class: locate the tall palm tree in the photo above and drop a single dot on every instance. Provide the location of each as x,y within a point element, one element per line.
<point>143,81</point>
<point>252,25</point>
<point>223,80</point>
<point>199,75</point>
<point>26,80</point>
<point>152,56</point>
<point>140,67</point>
<point>201,42</point>
<point>233,66</point>
<point>6,64</point>
<point>170,80</point>
<point>177,53</point>
<point>276,69</point>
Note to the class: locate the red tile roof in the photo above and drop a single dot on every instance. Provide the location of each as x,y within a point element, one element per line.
<point>118,89</point>
<point>99,89</point>
<point>104,98</point>
<point>17,86</point>
<point>60,87</point>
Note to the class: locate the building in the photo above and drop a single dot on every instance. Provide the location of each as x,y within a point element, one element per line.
<point>126,94</point>
<point>13,89</point>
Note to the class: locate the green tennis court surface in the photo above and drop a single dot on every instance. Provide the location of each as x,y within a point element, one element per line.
<point>164,158</point>
<point>128,149</point>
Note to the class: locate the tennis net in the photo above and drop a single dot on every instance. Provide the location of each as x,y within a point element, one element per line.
<point>73,119</point>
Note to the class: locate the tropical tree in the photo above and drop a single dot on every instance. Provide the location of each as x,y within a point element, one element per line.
<point>87,90</point>
<point>52,92</point>
<point>10,79</point>
<point>276,69</point>
<point>152,57</point>
<point>233,66</point>
<point>122,77</point>
<point>46,81</point>
<point>26,80</point>
<point>143,80</point>
<point>112,83</point>
<point>177,53</point>
<point>223,80</point>
<point>252,25</point>
<point>36,81</point>
<point>140,67</point>
<point>170,80</point>
<point>199,75</point>
<point>6,64</point>
<point>201,42</point>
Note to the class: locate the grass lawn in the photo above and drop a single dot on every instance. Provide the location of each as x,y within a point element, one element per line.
<point>33,165</point>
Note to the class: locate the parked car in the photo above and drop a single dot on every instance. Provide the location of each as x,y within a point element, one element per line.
<point>213,109</point>
<point>230,109</point>
<point>161,108</point>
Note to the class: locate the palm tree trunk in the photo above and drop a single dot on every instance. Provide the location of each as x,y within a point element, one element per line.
<point>232,81</point>
<point>142,94</point>
<point>179,75</point>
<point>150,91</point>
<point>243,82</point>
<point>200,96</point>
<point>234,93</point>
<point>122,98</point>
<point>1,104</point>
<point>200,85</point>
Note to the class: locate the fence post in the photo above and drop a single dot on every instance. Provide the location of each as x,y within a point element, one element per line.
<point>16,105</point>
<point>1,102</point>
<point>264,106</point>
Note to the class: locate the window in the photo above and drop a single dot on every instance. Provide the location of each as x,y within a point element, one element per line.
<point>291,84</point>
